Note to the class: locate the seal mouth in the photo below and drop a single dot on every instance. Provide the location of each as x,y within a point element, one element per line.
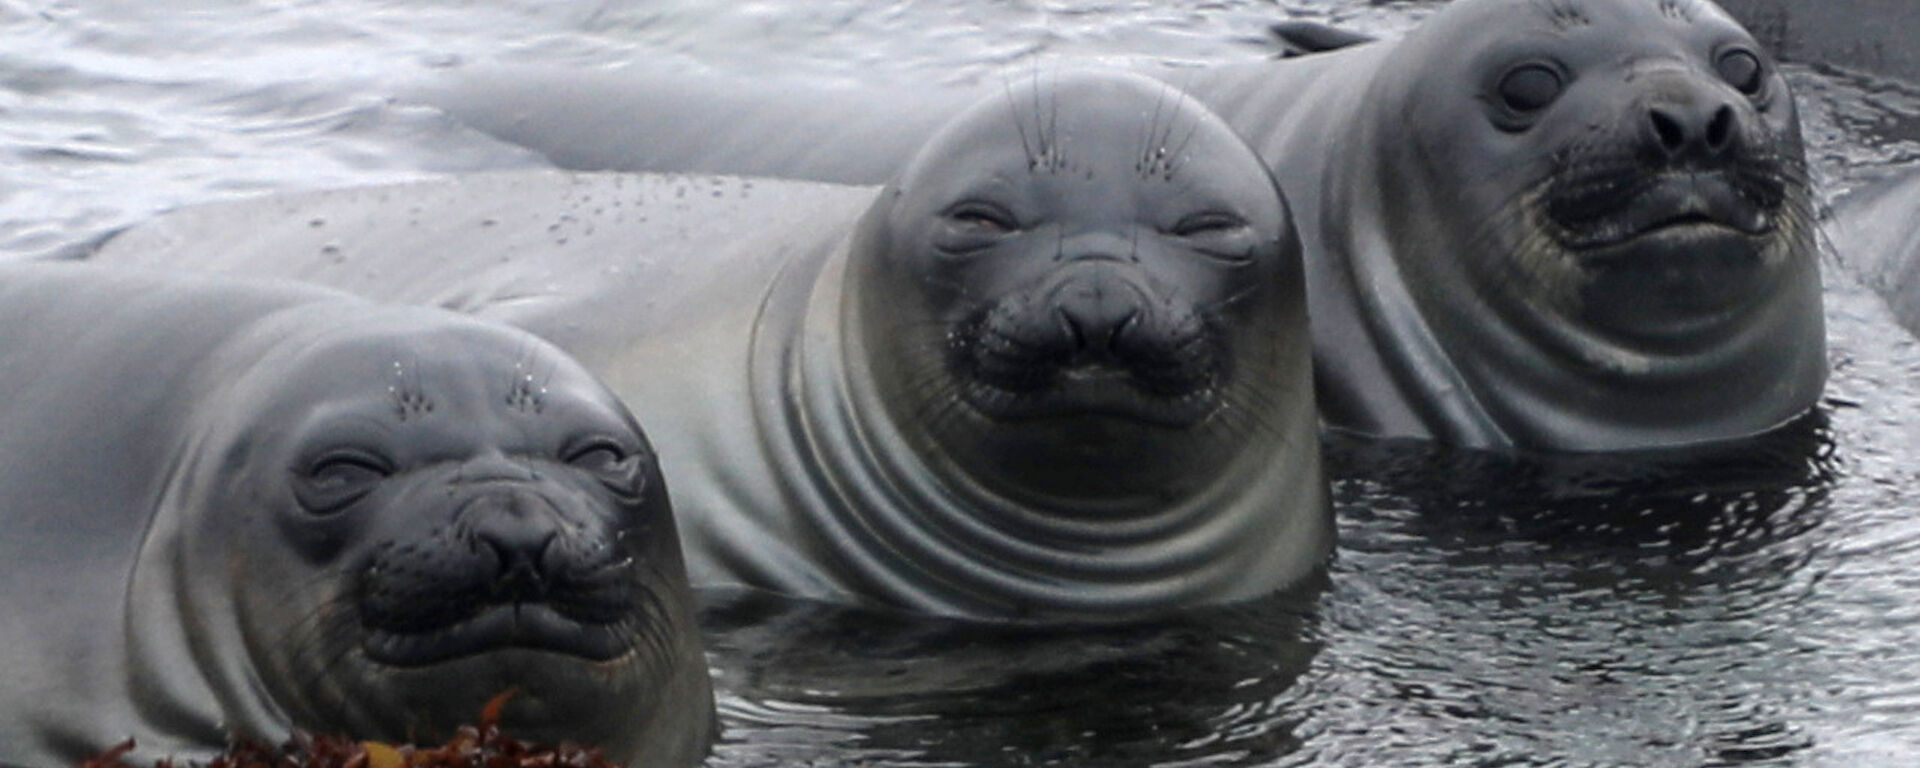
<point>1017,369</point>
<point>531,626</point>
<point>512,568</point>
<point>1092,391</point>
<point>1611,209</point>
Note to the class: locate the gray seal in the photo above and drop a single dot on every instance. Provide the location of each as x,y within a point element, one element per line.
<point>237,508</point>
<point>1537,224</point>
<point>1571,225</point>
<point>1876,234</point>
<point>1057,372</point>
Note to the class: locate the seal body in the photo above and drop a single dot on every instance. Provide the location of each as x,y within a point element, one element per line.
<point>1875,234</point>
<point>1531,224</point>
<point>238,508</point>
<point>1058,371</point>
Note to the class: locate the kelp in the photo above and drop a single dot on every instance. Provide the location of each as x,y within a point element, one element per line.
<point>481,745</point>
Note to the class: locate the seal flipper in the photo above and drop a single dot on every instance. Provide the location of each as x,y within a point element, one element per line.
<point>1304,38</point>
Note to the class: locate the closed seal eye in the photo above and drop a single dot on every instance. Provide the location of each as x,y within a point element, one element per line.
<point>611,462</point>
<point>339,478</point>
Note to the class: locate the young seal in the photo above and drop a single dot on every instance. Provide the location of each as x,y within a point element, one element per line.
<point>1058,371</point>
<point>237,508</point>
<point>1552,224</point>
<point>1538,224</point>
<point>1876,235</point>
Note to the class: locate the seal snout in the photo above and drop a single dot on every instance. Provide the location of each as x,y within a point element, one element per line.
<point>1689,161</point>
<point>1096,314</point>
<point>519,531</point>
<point>518,563</point>
<point>1092,337</point>
<point>1680,131</point>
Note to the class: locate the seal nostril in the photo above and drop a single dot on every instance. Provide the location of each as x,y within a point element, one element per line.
<point>1720,128</point>
<point>1122,328</point>
<point>520,565</point>
<point>1070,328</point>
<point>1671,134</point>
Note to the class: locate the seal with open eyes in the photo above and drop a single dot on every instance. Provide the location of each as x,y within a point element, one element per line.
<point>1539,224</point>
<point>1560,224</point>
<point>238,508</point>
<point>1057,371</point>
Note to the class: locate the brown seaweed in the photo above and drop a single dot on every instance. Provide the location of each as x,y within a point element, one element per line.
<point>472,746</point>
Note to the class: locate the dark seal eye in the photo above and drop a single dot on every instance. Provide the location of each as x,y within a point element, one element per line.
<point>1530,87</point>
<point>1741,69</point>
<point>337,480</point>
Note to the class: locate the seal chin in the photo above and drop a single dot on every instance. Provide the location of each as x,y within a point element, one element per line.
<point>525,626</point>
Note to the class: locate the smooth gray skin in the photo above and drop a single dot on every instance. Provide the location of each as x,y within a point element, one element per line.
<point>1443,305</point>
<point>163,580</point>
<point>789,346</point>
<point>1447,300</point>
<point>1876,233</point>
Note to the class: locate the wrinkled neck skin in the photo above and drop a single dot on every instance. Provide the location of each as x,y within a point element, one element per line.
<point>913,524</point>
<point>1484,354</point>
<point>189,671</point>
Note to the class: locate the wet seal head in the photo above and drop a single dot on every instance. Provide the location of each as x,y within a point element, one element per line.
<point>1612,188</point>
<point>401,533</point>
<point>1078,280</point>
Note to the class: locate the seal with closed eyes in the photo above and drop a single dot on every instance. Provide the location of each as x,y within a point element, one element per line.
<point>1057,371</point>
<point>1537,224</point>
<point>236,508</point>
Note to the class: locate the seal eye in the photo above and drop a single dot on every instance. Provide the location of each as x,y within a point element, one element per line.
<point>597,456</point>
<point>982,216</point>
<point>1208,223</point>
<point>1530,87</point>
<point>1219,234</point>
<point>339,479</point>
<point>616,467</point>
<point>1741,69</point>
<point>972,225</point>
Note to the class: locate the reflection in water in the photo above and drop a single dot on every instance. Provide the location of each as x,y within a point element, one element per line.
<point>1599,610</point>
<point>1584,610</point>
<point>815,684</point>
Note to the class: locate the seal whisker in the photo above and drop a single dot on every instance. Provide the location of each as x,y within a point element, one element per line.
<point>1013,110</point>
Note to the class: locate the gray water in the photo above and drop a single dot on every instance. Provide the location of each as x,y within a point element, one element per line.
<point>1757,608</point>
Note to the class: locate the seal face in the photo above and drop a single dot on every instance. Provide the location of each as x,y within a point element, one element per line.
<point>1082,261</point>
<point>1568,224</point>
<point>313,512</point>
<point>1671,184</point>
<point>464,524</point>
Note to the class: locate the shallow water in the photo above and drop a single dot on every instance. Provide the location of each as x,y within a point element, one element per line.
<point>1759,609</point>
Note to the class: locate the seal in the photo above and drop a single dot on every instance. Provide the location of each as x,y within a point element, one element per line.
<point>1876,236</point>
<point>1567,224</point>
<point>1573,225</point>
<point>1058,371</point>
<point>240,507</point>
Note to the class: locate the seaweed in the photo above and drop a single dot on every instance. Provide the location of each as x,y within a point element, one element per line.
<point>482,745</point>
